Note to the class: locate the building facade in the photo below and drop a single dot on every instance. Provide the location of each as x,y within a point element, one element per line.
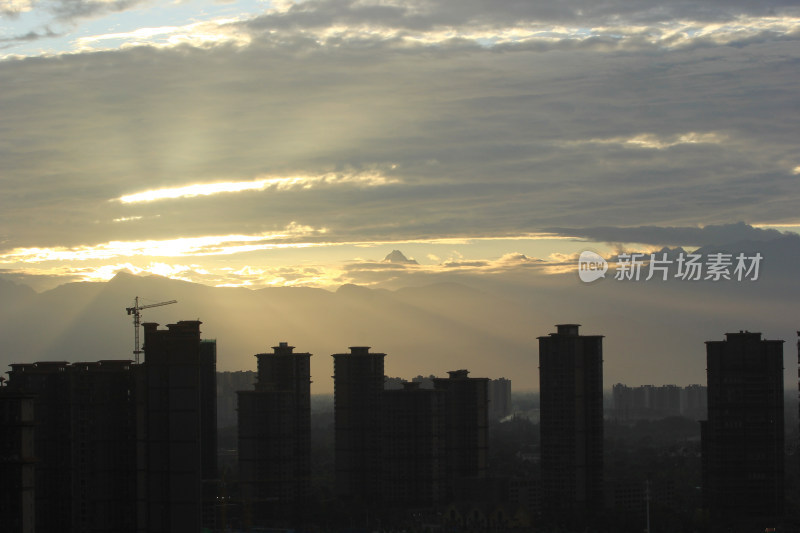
<point>571,388</point>
<point>124,447</point>
<point>17,462</point>
<point>414,447</point>
<point>275,438</point>
<point>466,411</point>
<point>743,438</point>
<point>358,406</point>
<point>103,422</point>
<point>49,383</point>
<point>178,384</point>
<point>85,444</point>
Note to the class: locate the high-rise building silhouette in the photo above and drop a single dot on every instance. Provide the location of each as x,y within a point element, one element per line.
<point>85,444</point>
<point>49,382</point>
<point>176,432</point>
<point>103,412</point>
<point>466,428</point>
<point>413,447</point>
<point>275,438</point>
<point>742,440</point>
<point>358,410</point>
<point>123,447</point>
<point>571,396</point>
<point>208,430</point>
<point>17,461</point>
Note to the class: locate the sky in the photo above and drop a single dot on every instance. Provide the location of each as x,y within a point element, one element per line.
<point>276,143</point>
<point>266,144</point>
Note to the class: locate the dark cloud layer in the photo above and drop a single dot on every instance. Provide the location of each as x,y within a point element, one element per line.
<point>477,137</point>
<point>426,15</point>
<point>674,236</point>
<point>66,10</point>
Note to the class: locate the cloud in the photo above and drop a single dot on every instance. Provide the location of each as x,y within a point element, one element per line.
<point>476,129</point>
<point>367,179</point>
<point>39,272</point>
<point>179,247</point>
<point>566,25</point>
<point>674,236</point>
<point>77,9</point>
<point>209,33</point>
<point>29,36</point>
<point>655,142</point>
<point>13,8</point>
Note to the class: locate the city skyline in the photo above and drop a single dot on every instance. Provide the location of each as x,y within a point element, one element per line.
<point>400,455</point>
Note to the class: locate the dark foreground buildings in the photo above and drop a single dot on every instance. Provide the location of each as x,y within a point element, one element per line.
<point>84,439</point>
<point>358,412</point>
<point>571,388</point>
<point>407,448</point>
<point>177,440</point>
<point>466,443</point>
<point>275,439</point>
<point>17,462</point>
<point>414,438</point>
<point>122,447</point>
<point>742,440</point>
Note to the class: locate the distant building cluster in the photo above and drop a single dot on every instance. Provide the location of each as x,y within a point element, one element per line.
<point>228,383</point>
<point>114,446</point>
<point>651,402</point>
<point>498,392</point>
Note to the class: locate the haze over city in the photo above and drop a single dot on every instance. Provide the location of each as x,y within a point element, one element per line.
<point>459,155</point>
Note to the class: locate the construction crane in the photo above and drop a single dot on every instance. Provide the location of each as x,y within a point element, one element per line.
<point>137,315</point>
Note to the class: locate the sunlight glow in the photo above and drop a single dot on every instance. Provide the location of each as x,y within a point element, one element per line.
<point>198,34</point>
<point>366,179</point>
<point>16,6</point>
<point>183,246</point>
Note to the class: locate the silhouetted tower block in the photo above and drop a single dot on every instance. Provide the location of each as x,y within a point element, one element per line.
<point>103,421</point>
<point>175,427</point>
<point>742,440</point>
<point>49,382</point>
<point>358,406</point>
<point>17,462</point>
<point>208,430</point>
<point>275,438</point>
<point>86,444</point>
<point>414,447</point>
<point>571,389</point>
<point>466,427</point>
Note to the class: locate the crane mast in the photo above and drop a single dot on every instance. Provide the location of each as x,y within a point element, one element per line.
<point>137,318</point>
